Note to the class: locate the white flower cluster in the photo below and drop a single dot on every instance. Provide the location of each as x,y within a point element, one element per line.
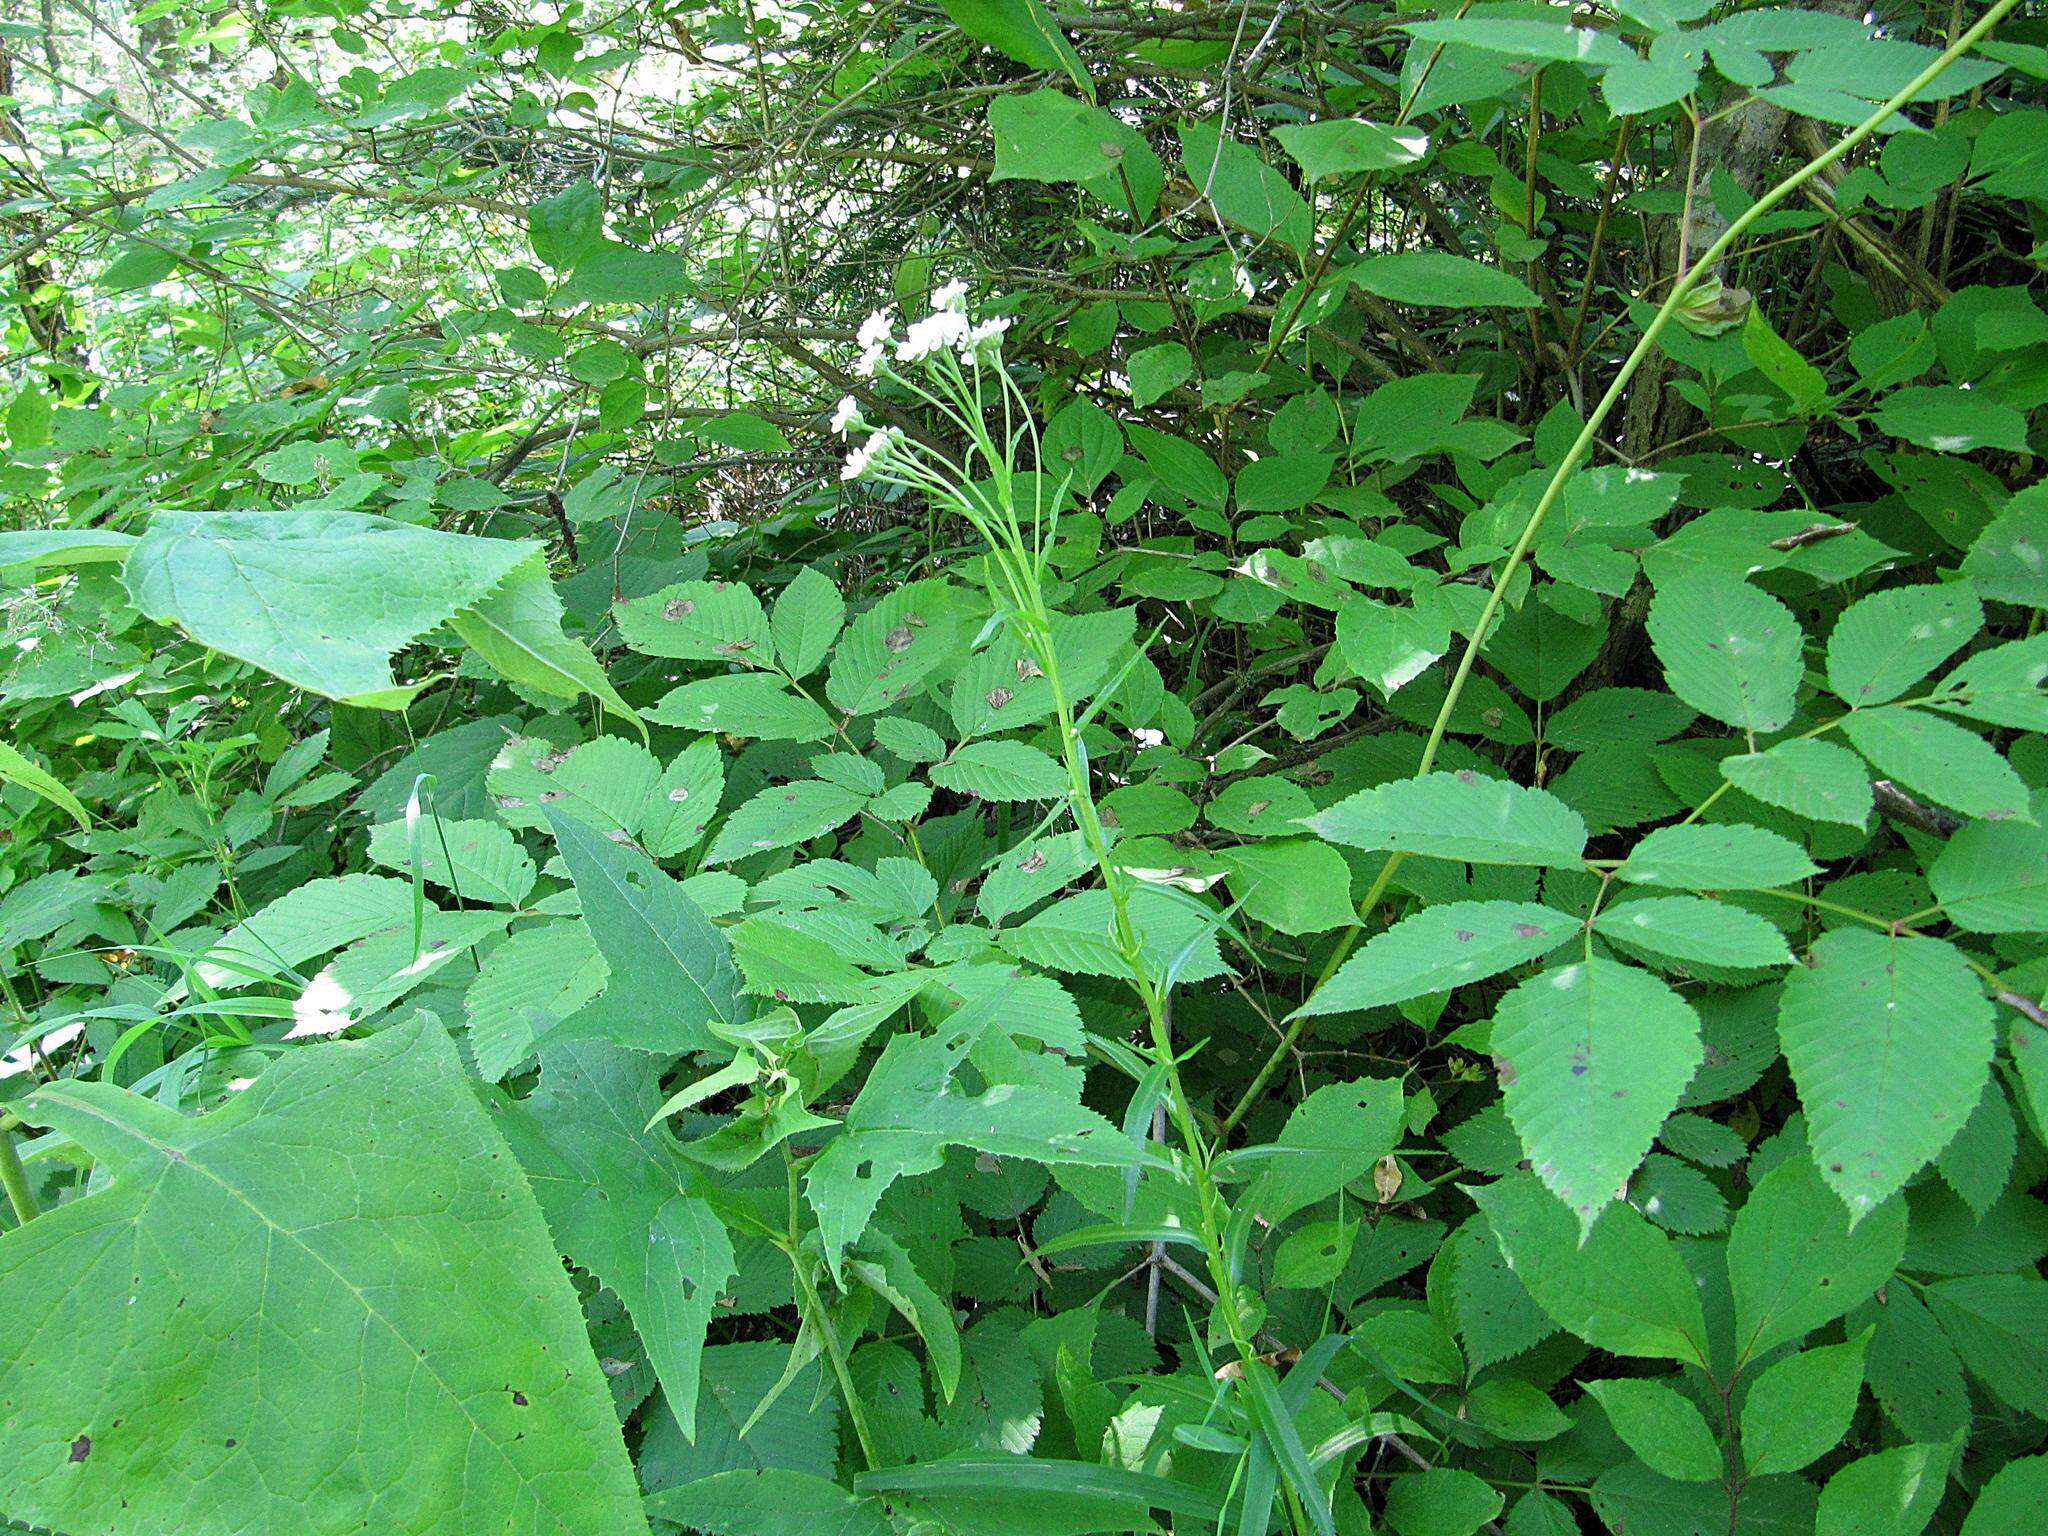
<point>947,328</point>
<point>879,445</point>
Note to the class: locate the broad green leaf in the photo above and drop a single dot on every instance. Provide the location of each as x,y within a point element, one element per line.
<point>1593,1057</point>
<point>2001,686</point>
<point>1951,420</point>
<point>1886,642</point>
<point>1524,39</point>
<point>1796,1260</point>
<point>1287,482</point>
<point>307,921</point>
<point>614,1197</point>
<point>1002,1476</point>
<point>1620,1286</point>
<point>260,586</point>
<point>882,1265</point>
<point>679,810</point>
<point>771,1501</point>
<point>1001,771</point>
<point>1439,279</point>
<point>912,1108</point>
<point>781,815</point>
<point>807,618</point>
<point>1889,1041</point>
<point>752,704</point>
<point>1158,371</point>
<point>1023,30</point>
<point>1242,189</point>
<point>1346,146</point>
<point>1993,879</point>
<point>525,987</point>
<point>1946,762</point>
<point>1441,1501</point>
<point>568,226</point>
<point>1730,857</point>
<point>2010,1503</point>
<point>891,651</point>
<point>1728,649</point>
<point>672,978</point>
<point>15,768</point>
<point>1050,136</point>
<point>1799,1409</point>
<point>348,1232</point>
<point>1689,928</point>
<point>1779,361</point>
<point>1440,948</point>
<point>1994,1323</point>
<point>2008,562</point>
<point>1333,1136</point>
<point>1460,815</point>
<point>517,630</point>
<point>37,549</point>
<point>1295,884</point>
<point>478,860</point>
<point>1815,779</point>
<point>1893,1493</point>
<point>699,621</point>
<point>1660,1426</point>
<point>1073,936</point>
<point>1389,645</point>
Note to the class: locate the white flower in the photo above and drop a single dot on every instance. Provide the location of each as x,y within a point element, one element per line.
<point>874,330</point>
<point>869,361</point>
<point>865,456</point>
<point>846,416</point>
<point>931,335</point>
<point>952,296</point>
<point>984,342</point>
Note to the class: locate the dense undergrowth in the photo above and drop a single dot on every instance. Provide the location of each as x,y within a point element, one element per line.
<point>949,769</point>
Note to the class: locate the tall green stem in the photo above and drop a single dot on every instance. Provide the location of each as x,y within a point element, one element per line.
<point>13,1177</point>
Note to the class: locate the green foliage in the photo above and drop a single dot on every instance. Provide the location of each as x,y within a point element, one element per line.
<point>1047,770</point>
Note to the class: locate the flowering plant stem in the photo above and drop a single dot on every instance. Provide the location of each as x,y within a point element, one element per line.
<point>1015,568</point>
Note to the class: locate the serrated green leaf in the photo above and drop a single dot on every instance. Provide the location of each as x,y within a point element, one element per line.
<point>1815,779</point>
<point>1729,857</point>
<point>1796,1260</point>
<point>1799,1409</point>
<point>1888,641</point>
<point>1460,815</point>
<point>478,859</point>
<point>699,621</point>
<point>1440,948</point>
<point>752,704</point>
<point>1889,1041</point>
<point>1620,1286</point>
<point>259,586</point>
<point>614,1196</point>
<point>1729,650</point>
<point>1001,771</point>
<point>808,615</point>
<point>1689,928</point>
<point>1593,1058</point>
<point>782,815</point>
<point>1936,757</point>
<point>1660,1426</point>
<point>1993,879</point>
